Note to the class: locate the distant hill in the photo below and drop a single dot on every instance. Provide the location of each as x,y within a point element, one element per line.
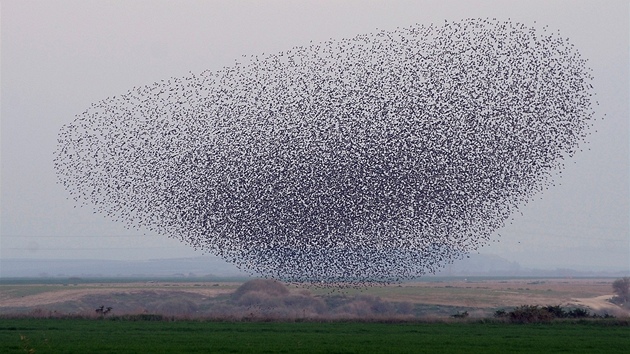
<point>482,264</point>
<point>494,265</point>
<point>211,266</point>
<point>182,267</point>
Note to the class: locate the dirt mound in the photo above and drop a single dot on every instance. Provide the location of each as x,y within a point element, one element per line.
<point>267,287</point>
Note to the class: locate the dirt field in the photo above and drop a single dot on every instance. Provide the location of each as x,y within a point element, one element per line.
<point>483,294</point>
<point>499,293</point>
<point>38,295</point>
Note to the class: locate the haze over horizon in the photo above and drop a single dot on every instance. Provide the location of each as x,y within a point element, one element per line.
<point>59,57</point>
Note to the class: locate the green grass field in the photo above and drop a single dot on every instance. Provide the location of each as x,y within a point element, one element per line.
<point>31,335</point>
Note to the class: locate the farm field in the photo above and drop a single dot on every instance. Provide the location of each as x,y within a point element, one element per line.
<point>145,336</point>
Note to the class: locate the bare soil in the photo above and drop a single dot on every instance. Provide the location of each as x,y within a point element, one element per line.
<point>57,295</point>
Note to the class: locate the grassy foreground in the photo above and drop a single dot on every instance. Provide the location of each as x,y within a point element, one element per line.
<point>31,335</point>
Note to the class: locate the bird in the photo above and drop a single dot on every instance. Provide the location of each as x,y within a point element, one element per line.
<point>355,161</point>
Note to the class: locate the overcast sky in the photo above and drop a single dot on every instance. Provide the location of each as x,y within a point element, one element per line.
<point>58,57</point>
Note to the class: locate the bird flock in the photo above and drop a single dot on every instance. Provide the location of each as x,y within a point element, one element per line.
<point>363,160</point>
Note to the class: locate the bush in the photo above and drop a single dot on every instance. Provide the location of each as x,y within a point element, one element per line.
<point>578,313</point>
<point>530,314</point>
<point>501,313</point>
<point>533,314</point>
<point>557,311</point>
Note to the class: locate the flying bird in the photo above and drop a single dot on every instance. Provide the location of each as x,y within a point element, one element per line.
<point>363,160</point>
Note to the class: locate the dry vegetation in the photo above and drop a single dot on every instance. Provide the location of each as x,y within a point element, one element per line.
<point>262,299</point>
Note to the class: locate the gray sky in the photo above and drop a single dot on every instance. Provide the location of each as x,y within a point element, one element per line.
<point>58,57</point>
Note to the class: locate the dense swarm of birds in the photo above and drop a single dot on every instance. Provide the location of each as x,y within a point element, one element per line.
<point>363,160</point>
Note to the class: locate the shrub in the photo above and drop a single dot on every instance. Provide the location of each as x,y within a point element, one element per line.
<point>530,314</point>
<point>534,313</point>
<point>557,311</point>
<point>578,313</point>
<point>501,313</point>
